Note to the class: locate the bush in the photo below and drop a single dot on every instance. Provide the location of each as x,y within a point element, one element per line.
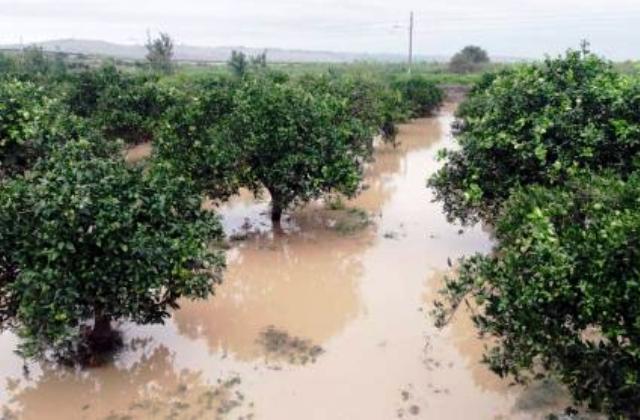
<point>561,292</point>
<point>422,96</point>
<point>85,240</point>
<point>539,124</point>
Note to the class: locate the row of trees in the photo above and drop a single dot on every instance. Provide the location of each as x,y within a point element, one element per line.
<point>87,239</point>
<point>549,157</point>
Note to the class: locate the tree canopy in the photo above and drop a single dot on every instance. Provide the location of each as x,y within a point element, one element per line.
<point>191,138</point>
<point>539,124</point>
<point>422,96</point>
<point>86,239</point>
<point>31,124</point>
<point>120,105</point>
<point>298,139</point>
<point>296,144</point>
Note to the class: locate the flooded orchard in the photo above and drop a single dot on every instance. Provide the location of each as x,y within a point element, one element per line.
<point>328,319</point>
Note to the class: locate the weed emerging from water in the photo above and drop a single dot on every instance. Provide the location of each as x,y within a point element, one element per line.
<point>351,221</point>
<point>280,345</point>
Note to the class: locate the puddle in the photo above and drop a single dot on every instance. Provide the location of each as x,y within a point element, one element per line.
<point>312,323</point>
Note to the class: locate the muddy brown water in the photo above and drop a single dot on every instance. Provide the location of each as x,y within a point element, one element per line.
<point>317,323</point>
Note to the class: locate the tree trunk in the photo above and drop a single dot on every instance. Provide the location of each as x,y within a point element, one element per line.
<point>102,336</point>
<point>276,212</point>
<point>276,207</point>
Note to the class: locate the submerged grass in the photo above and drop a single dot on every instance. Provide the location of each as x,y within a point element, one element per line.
<point>350,221</point>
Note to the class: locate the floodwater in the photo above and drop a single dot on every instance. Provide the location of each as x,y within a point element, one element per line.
<point>326,320</point>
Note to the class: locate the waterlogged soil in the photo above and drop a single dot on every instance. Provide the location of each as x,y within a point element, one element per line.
<point>327,319</point>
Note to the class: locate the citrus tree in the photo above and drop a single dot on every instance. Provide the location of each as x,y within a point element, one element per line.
<point>296,144</point>
<point>87,240</point>
<point>370,100</point>
<point>192,141</point>
<point>539,124</point>
<point>31,123</point>
<point>561,292</point>
<point>122,106</point>
<point>421,95</point>
<point>549,156</point>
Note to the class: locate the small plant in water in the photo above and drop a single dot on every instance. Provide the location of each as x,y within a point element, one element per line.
<point>280,345</point>
<point>351,221</point>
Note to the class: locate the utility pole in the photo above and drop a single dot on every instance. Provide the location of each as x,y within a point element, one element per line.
<point>410,41</point>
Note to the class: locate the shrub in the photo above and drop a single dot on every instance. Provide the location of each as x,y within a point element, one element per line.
<point>422,96</point>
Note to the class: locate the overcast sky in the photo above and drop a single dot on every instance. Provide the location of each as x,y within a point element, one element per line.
<point>520,28</point>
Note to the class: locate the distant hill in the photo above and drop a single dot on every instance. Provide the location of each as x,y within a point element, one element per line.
<point>221,54</point>
<point>193,53</point>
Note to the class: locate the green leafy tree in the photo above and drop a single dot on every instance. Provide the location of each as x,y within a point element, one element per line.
<point>191,139</point>
<point>561,292</point>
<point>296,144</point>
<point>539,124</point>
<point>120,105</point>
<point>33,61</point>
<point>90,240</point>
<point>8,64</point>
<point>470,59</point>
<point>422,96</point>
<point>31,123</point>
<point>160,53</point>
<point>371,101</point>
<point>549,156</point>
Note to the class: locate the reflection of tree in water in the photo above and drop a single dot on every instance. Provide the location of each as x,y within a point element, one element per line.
<point>303,284</point>
<point>149,388</point>
<point>279,345</point>
<point>389,161</point>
